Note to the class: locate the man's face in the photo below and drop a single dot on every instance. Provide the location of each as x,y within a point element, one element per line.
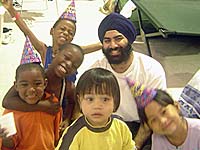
<point>116,47</point>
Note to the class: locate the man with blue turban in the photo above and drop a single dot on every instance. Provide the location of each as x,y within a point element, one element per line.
<point>117,34</point>
<point>117,22</point>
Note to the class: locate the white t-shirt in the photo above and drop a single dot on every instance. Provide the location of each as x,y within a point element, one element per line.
<point>143,69</point>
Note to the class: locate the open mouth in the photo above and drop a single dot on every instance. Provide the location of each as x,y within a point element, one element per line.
<point>115,53</point>
<point>31,96</point>
<point>62,69</point>
<point>63,39</point>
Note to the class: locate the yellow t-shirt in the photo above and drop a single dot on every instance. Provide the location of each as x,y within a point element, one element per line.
<point>82,136</point>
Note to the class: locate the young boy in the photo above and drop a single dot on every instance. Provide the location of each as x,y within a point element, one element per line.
<point>98,96</point>
<point>66,62</point>
<point>35,130</point>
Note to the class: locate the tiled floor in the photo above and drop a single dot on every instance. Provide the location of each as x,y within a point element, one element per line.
<point>179,56</point>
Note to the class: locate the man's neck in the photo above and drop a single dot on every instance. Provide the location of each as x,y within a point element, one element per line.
<point>122,67</point>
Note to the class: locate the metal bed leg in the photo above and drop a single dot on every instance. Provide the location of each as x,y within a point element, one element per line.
<point>143,35</point>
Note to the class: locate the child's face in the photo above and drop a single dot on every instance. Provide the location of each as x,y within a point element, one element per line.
<point>97,108</point>
<point>64,32</point>
<point>66,62</point>
<point>30,85</point>
<point>163,120</point>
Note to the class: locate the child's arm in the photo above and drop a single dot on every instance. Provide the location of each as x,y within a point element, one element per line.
<point>69,108</point>
<point>91,48</point>
<point>12,101</point>
<point>38,45</point>
<point>143,133</point>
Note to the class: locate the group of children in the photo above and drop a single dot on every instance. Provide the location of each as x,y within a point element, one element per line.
<point>97,95</point>
<point>43,99</point>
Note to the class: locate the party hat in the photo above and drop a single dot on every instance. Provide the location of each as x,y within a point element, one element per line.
<point>142,95</point>
<point>29,54</point>
<point>70,12</point>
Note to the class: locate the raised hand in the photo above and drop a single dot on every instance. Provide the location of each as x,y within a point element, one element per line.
<point>7,3</point>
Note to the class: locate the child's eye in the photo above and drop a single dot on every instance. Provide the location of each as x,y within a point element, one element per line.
<point>71,33</point>
<point>66,57</point>
<point>23,84</point>
<point>105,99</point>
<point>89,99</point>
<point>163,111</point>
<point>62,28</point>
<point>38,83</point>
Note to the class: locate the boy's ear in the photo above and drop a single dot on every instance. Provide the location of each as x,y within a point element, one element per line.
<point>78,98</point>
<point>51,31</point>
<point>78,101</point>
<point>15,85</point>
<point>45,82</point>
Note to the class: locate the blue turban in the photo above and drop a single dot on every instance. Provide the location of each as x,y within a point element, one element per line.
<point>115,21</point>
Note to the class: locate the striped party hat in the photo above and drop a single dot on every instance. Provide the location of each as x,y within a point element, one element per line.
<point>142,95</point>
<point>70,12</point>
<point>29,54</point>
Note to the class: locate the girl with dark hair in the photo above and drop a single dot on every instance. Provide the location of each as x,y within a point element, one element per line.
<point>162,115</point>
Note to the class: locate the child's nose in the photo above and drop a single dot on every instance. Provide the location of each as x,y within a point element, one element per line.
<point>163,121</point>
<point>69,63</point>
<point>98,104</point>
<point>31,89</point>
<point>65,32</point>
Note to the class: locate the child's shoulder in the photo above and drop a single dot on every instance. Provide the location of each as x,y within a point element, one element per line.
<point>118,121</point>
<point>193,123</point>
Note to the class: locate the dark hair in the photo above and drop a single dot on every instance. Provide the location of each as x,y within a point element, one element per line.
<point>161,97</point>
<point>101,81</point>
<point>29,66</point>
<point>70,45</point>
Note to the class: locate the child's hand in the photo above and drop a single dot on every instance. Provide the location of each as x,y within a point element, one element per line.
<point>3,132</point>
<point>64,124</point>
<point>7,3</point>
<point>49,106</point>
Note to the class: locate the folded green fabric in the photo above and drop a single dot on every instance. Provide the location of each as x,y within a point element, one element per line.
<point>147,24</point>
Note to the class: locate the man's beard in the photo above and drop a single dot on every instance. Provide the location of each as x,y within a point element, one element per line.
<point>124,54</point>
